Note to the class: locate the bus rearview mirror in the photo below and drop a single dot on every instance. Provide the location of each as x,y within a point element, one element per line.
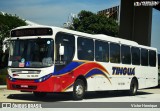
<point>61,50</point>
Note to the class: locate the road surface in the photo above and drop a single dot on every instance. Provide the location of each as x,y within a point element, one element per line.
<point>145,95</point>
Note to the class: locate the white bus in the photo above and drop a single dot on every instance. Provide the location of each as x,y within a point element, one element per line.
<point>46,59</point>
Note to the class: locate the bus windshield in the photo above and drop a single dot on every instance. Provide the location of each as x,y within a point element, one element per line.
<point>31,53</point>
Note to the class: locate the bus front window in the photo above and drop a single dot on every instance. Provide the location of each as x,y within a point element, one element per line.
<point>31,53</point>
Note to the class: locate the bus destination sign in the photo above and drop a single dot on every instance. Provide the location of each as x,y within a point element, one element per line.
<point>31,32</point>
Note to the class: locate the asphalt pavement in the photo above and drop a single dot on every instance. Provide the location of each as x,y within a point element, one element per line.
<point>151,95</point>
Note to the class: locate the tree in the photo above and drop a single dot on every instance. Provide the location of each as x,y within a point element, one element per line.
<point>8,22</point>
<point>92,23</point>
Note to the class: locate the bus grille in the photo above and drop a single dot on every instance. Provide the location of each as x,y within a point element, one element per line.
<point>25,80</point>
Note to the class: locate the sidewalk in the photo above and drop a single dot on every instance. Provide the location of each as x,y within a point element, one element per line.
<point>3,86</point>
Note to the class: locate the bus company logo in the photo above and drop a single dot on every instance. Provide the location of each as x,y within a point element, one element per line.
<point>6,105</point>
<point>123,71</point>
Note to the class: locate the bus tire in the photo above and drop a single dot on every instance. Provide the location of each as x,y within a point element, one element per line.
<point>133,87</point>
<point>78,90</point>
<point>39,94</point>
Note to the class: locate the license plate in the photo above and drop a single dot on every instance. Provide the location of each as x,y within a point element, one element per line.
<point>24,86</point>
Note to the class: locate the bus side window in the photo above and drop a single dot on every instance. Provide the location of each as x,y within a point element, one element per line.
<point>114,53</point>
<point>101,51</point>
<point>135,55</point>
<point>144,57</point>
<point>85,49</point>
<point>152,58</point>
<point>125,54</point>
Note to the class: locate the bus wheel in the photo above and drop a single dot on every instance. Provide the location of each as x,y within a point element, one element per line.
<point>78,90</point>
<point>39,94</point>
<point>133,87</point>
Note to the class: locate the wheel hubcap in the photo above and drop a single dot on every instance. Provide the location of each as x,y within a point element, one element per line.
<point>79,90</point>
<point>134,88</point>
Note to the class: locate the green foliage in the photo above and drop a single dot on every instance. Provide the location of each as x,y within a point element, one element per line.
<point>8,22</point>
<point>89,22</point>
<point>3,76</point>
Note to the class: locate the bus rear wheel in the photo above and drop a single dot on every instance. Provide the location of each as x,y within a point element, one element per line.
<point>133,87</point>
<point>78,90</point>
<point>39,94</point>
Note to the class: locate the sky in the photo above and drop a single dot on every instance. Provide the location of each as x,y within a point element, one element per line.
<point>52,12</point>
<point>56,12</point>
<point>155,35</point>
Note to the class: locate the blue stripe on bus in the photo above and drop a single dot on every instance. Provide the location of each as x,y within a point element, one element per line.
<point>94,72</point>
<point>71,66</point>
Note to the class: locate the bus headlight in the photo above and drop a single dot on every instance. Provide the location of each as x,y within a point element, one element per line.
<point>11,79</point>
<point>40,80</point>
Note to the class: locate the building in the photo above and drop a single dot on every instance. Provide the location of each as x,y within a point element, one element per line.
<point>112,12</point>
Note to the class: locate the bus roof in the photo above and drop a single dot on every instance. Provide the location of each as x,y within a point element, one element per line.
<point>93,36</point>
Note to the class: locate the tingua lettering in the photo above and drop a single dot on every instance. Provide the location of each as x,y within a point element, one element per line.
<point>123,71</point>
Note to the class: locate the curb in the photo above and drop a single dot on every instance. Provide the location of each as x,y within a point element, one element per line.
<point>3,86</point>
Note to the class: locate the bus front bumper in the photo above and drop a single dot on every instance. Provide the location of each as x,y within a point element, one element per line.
<point>50,85</point>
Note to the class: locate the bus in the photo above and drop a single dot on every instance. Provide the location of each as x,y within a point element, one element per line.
<point>44,59</point>
<point>158,69</point>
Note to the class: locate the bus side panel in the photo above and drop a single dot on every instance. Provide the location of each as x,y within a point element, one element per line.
<point>120,77</point>
<point>151,77</point>
<point>99,83</point>
<point>147,76</point>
